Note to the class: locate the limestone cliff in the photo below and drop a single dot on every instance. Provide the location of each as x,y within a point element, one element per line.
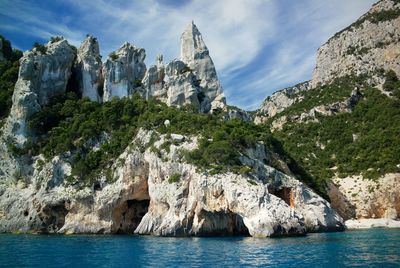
<point>88,69</point>
<point>146,200</point>
<point>123,71</point>
<point>350,76</point>
<point>195,54</point>
<point>369,44</point>
<point>42,74</point>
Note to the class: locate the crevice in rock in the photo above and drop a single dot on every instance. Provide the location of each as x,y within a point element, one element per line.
<point>127,216</point>
<point>286,194</point>
<point>221,224</point>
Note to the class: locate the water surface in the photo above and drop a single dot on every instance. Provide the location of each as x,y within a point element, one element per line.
<point>374,248</point>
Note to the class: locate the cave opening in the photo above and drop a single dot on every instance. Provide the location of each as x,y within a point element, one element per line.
<point>222,224</point>
<point>127,216</point>
<point>286,194</point>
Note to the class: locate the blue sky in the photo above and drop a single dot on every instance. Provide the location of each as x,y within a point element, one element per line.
<point>258,46</point>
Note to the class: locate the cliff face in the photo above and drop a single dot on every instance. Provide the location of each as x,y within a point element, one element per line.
<point>352,84</point>
<point>123,71</point>
<point>157,194</point>
<point>41,76</point>
<point>195,54</point>
<point>88,69</point>
<point>369,44</point>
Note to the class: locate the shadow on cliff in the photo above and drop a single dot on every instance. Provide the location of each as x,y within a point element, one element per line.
<point>300,173</point>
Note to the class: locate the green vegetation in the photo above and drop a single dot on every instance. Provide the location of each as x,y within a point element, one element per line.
<point>375,17</point>
<point>392,84</point>
<point>113,56</point>
<point>8,76</point>
<point>366,141</point>
<point>55,39</point>
<point>39,47</point>
<point>174,178</point>
<point>326,94</point>
<point>68,123</point>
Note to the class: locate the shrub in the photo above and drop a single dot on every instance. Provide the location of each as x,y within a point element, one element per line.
<point>39,47</point>
<point>174,178</point>
<point>113,56</point>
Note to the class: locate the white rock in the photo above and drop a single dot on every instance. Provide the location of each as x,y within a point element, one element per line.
<point>88,69</point>
<point>342,54</point>
<point>124,73</point>
<point>195,54</point>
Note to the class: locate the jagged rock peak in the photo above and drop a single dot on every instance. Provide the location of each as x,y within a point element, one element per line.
<point>123,71</point>
<point>195,54</point>
<point>44,73</point>
<point>88,69</point>
<point>192,43</point>
<point>368,45</point>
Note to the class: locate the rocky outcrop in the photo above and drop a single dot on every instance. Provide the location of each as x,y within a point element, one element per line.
<point>88,69</point>
<point>146,200</point>
<point>181,85</point>
<point>279,101</point>
<point>335,108</point>
<point>123,71</point>
<point>42,75</point>
<point>358,198</point>
<point>372,223</point>
<point>195,54</point>
<point>153,81</point>
<point>368,45</point>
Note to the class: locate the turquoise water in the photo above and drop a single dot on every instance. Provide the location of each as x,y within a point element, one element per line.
<point>377,248</point>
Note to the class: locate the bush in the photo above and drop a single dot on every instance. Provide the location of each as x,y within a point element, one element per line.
<point>39,47</point>
<point>174,178</point>
<point>113,56</point>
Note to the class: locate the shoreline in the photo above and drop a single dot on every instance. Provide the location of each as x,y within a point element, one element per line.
<point>371,224</point>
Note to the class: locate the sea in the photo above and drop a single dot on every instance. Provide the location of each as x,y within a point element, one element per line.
<point>367,248</point>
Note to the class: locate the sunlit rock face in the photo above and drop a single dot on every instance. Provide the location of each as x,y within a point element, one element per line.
<point>153,81</point>
<point>41,76</point>
<point>195,54</point>
<point>362,48</point>
<point>123,71</point>
<point>88,69</point>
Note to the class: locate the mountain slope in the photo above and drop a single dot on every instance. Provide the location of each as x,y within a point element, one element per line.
<point>345,125</point>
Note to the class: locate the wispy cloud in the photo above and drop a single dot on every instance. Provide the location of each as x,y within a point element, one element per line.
<point>257,46</point>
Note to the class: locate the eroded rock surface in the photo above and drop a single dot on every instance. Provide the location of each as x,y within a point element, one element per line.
<point>144,200</point>
<point>88,69</point>
<point>367,46</point>
<point>196,55</point>
<point>358,198</point>
<point>123,71</point>
<point>41,76</point>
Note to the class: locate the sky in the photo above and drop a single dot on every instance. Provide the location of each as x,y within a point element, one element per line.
<point>258,46</point>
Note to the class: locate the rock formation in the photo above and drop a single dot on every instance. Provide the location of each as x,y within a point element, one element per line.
<point>88,69</point>
<point>143,199</point>
<point>369,44</point>
<point>181,85</point>
<point>123,71</point>
<point>41,76</point>
<point>358,198</point>
<point>279,101</point>
<point>195,54</point>
<point>153,81</point>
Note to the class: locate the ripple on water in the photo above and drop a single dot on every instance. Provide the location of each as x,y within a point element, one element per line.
<point>379,248</point>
